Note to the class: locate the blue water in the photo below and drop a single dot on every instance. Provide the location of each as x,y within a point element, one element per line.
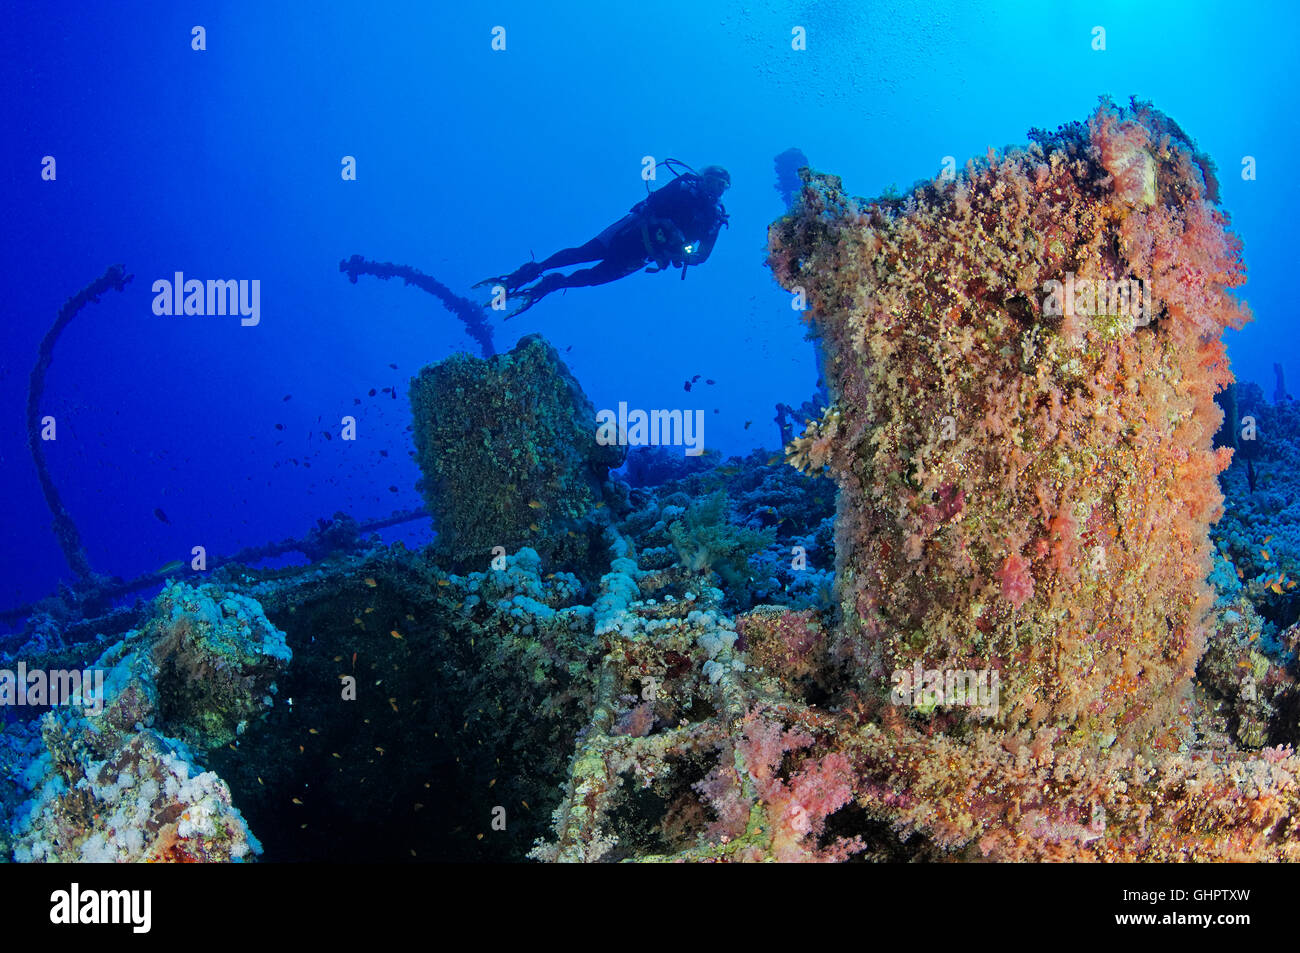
<point>226,164</point>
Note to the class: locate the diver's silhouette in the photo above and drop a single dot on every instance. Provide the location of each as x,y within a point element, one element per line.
<point>675,225</point>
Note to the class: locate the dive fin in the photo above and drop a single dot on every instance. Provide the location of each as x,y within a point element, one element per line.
<point>526,301</point>
<point>529,271</point>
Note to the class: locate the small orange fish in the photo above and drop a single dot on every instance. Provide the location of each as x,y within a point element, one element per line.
<point>354,659</point>
<point>1267,538</point>
<point>312,731</point>
<point>379,749</point>
<point>370,581</point>
<point>1276,588</point>
<point>370,610</point>
<point>337,755</point>
<point>534,527</point>
<point>393,702</point>
<point>297,800</point>
<point>338,658</point>
<point>1264,553</point>
<point>441,582</point>
<point>534,505</point>
<point>300,749</point>
<point>395,634</point>
<point>1290,583</point>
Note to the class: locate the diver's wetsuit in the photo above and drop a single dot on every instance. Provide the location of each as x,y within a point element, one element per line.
<point>657,230</point>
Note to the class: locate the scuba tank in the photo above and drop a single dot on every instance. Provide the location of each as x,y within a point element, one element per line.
<point>671,165</point>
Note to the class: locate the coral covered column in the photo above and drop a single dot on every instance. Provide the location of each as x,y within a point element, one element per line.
<point>1024,359</point>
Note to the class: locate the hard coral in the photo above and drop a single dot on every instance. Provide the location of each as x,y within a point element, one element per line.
<point>811,452</point>
<point>217,658</point>
<point>123,784</point>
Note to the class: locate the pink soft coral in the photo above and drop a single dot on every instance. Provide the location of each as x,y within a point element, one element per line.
<point>636,722</point>
<point>1121,146</point>
<point>1017,583</point>
<point>797,808</point>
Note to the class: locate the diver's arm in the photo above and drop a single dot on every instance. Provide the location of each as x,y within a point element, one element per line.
<point>703,249</point>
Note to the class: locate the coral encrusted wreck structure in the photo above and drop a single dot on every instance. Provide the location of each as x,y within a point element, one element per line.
<point>1024,452</point>
<point>119,778</point>
<point>509,456</point>
<point>1023,360</point>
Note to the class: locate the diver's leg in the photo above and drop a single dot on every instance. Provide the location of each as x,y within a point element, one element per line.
<point>603,273</point>
<point>620,240</point>
<point>531,270</point>
<point>606,271</point>
<point>593,250</point>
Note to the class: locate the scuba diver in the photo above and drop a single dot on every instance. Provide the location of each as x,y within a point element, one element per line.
<point>672,226</point>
